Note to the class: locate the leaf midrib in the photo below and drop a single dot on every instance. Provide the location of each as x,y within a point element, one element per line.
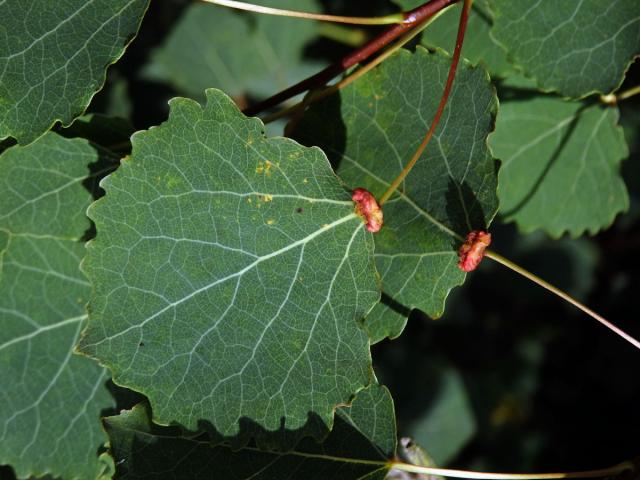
<point>302,241</point>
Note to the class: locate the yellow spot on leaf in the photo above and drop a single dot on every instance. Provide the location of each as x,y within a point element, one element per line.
<point>271,221</point>
<point>264,167</point>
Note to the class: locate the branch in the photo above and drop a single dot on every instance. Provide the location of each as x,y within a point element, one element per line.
<point>412,19</point>
<point>316,95</point>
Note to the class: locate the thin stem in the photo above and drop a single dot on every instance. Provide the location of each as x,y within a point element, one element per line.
<point>412,19</point>
<point>628,93</point>
<point>462,27</point>
<point>350,36</point>
<point>604,472</point>
<point>320,94</point>
<point>534,278</point>
<point>250,7</point>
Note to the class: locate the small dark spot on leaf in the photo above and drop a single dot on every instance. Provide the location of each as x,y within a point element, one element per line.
<point>141,344</point>
<point>299,210</point>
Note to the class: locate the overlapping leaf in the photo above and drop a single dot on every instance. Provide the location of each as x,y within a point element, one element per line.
<point>386,320</point>
<point>230,275</point>
<point>360,445</point>
<point>50,399</point>
<point>216,47</point>
<point>560,165</point>
<point>479,45</point>
<point>372,127</point>
<point>53,57</point>
<point>575,48</point>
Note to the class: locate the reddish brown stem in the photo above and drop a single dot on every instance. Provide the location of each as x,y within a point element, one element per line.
<point>462,28</point>
<point>412,19</point>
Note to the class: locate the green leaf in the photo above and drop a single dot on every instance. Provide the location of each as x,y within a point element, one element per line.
<point>53,58</point>
<point>359,447</point>
<point>560,165</point>
<point>448,424</point>
<point>371,128</point>
<point>479,46</point>
<point>50,399</point>
<point>575,48</point>
<point>386,320</point>
<point>211,46</point>
<point>231,274</point>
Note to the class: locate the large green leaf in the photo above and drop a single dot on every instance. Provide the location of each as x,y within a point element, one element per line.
<point>53,57</point>
<point>212,46</point>
<point>231,274</point>
<point>479,45</point>
<point>50,400</point>
<point>573,47</point>
<point>560,165</point>
<point>360,445</point>
<point>371,128</point>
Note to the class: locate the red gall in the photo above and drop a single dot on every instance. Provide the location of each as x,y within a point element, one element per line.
<point>472,250</point>
<point>368,208</point>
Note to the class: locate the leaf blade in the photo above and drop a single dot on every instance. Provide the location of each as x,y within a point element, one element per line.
<point>51,399</point>
<point>251,247</point>
<point>560,165</point>
<point>575,48</point>
<point>46,76</point>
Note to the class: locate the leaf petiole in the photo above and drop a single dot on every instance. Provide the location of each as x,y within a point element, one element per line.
<point>325,92</point>
<point>628,93</point>
<point>462,27</point>
<point>444,472</point>
<point>565,296</point>
<point>612,99</point>
<point>250,7</point>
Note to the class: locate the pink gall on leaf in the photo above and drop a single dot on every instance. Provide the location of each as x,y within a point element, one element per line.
<point>472,250</point>
<point>368,208</point>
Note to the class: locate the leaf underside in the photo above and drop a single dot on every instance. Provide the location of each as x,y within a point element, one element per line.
<point>231,274</point>
<point>53,58</point>
<point>371,128</point>
<point>50,399</point>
